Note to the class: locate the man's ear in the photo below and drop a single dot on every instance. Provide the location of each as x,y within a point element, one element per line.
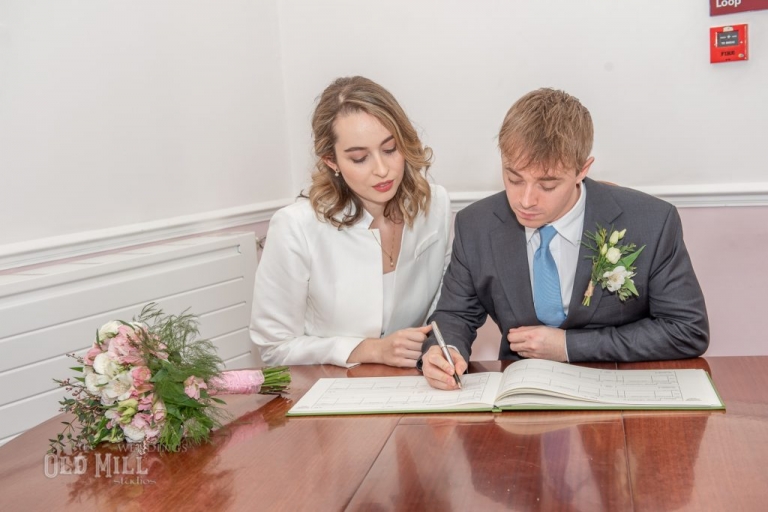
<point>585,170</point>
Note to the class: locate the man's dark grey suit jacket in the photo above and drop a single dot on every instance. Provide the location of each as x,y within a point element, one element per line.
<point>488,275</point>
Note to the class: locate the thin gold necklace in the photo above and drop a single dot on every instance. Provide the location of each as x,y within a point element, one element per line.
<point>389,255</point>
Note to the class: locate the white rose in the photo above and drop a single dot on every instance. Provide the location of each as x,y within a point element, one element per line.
<point>622,233</point>
<point>117,389</point>
<point>133,434</point>
<point>616,278</point>
<point>112,414</point>
<point>103,364</point>
<point>614,238</point>
<point>94,382</point>
<point>108,330</point>
<point>100,363</point>
<point>613,255</point>
<point>105,400</point>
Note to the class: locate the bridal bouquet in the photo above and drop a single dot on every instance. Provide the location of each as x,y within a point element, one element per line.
<point>152,381</point>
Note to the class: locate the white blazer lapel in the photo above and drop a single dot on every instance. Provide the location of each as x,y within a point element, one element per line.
<point>413,278</point>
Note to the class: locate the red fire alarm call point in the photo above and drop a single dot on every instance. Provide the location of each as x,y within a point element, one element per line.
<point>728,43</point>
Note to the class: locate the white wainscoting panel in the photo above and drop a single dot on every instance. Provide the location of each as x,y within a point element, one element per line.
<point>32,252</point>
<point>51,311</point>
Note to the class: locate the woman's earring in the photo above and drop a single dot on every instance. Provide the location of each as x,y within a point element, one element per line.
<point>337,172</point>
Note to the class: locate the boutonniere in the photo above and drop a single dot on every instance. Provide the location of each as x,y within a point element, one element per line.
<point>611,264</point>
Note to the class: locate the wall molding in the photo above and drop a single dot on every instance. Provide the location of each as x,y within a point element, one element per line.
<point>683,196</point>
<point>77,244</point>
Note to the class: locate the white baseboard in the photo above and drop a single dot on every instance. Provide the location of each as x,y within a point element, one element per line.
<point>77,244</point>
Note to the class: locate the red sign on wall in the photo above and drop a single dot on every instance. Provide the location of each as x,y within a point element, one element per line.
<point>718,7</point>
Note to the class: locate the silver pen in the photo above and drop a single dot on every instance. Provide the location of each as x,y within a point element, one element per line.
<point>444,348</point>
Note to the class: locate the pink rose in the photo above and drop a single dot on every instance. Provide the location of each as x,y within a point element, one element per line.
<point>141,376</point>
<point>193,385</point>
<point>158,411</point>
<point>125,346</point>
<point>142,427</point>
<point>145,402</point>
<point>141,420</point>
<point>91,355</point>
<point>151,434</point>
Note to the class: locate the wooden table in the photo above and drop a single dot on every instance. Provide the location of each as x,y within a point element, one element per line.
<point>571,460</point>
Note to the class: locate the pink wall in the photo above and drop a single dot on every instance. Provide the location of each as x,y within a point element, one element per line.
<point>726,246</point>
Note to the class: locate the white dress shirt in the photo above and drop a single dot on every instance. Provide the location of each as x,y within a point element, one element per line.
<point>564,247</point>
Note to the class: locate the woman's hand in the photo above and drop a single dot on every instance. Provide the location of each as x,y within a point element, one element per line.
<point>401,348</point>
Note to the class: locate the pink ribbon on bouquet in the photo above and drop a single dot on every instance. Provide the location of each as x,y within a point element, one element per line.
<point>238,382</point>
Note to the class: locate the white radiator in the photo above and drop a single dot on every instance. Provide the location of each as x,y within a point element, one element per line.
<point>48,312</point>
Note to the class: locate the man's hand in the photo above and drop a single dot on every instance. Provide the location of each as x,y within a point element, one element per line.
<point>538,342</point>
<point>437,369</point>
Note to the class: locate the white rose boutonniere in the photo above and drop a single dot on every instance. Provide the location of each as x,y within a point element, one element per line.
<point>611,264</point>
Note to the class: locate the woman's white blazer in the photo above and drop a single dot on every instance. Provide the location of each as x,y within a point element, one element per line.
<point>319,291</point>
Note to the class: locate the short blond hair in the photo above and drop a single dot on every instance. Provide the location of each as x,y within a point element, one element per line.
<point>330,195</point>
<point>547,127</point>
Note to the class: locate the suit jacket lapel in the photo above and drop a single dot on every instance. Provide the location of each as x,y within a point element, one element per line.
<point>510,259</point>
<point>603,210</point>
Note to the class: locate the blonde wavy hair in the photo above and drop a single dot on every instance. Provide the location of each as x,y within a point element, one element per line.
<point>329,195</point>
<point>547,127</point>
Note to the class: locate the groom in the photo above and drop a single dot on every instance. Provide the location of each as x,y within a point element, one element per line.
<point>518,256</point>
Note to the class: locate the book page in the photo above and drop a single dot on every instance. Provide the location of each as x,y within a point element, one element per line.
<point>396,394</point>
<point>662,388</point>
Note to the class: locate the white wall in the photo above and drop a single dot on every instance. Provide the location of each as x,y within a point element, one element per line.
<point>664,115</point>
<point>115,114</point>
<point>123,112</point>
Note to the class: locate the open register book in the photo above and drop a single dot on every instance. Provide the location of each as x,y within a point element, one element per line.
<point>525,384</point>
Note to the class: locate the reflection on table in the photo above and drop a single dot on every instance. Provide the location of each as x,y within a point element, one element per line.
<point>542,460</point>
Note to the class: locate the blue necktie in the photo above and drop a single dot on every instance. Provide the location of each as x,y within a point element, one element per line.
<point>546,282</point>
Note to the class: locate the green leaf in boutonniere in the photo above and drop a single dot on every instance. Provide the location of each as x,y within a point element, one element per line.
<point>612,263</point>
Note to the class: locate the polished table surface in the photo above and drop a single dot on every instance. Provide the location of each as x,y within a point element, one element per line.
<point>570,460</point>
